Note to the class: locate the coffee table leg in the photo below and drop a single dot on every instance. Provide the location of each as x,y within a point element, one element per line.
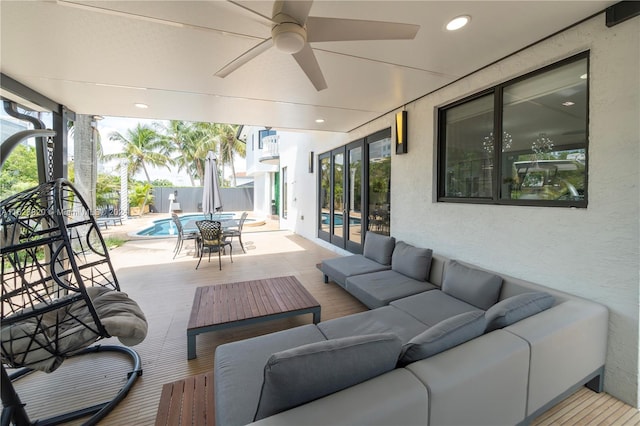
<point>191,346</point>
<point>316,316</point>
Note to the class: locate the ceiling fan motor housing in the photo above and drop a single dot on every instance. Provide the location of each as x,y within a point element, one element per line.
<point>289,37</point>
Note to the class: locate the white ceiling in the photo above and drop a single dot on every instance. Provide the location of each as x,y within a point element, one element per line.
<point>97,61</point>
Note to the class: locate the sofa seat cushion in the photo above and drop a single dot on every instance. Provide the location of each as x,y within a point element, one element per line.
<point>379,288</point>
<point>516,308</point>
<point>477,287</point>
<point>445,335</point>
<point>378,248</point>
<point>239,370</point>
<point>414,262</point>
<point>382,320</point>
<point>432,306</point>
<point>303,374</point>
<point>339,268</point>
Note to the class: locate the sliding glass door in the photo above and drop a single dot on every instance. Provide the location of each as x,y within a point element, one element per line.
<point>354,191</point>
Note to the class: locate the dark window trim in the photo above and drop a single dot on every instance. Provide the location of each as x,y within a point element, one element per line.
<point>262,134</point>
<point>497,91</point>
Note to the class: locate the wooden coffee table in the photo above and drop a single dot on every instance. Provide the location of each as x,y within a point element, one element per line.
<point>223,306</point>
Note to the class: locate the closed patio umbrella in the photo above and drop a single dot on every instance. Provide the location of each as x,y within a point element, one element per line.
<point>211,201</point>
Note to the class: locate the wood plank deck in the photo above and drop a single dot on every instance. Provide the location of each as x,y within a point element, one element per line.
<point>164,289</point>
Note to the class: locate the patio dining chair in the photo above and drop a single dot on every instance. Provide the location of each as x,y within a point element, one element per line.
<point>211,237</point>
<point>237,232</point>
<point>182,235</point>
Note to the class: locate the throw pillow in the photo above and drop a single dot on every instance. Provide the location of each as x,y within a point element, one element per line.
<point>474,286</point>
<point>515,308</point>
<point>378,247</point>
<point>308,372</point>
<point>411,261</point>
<point>444,335</point>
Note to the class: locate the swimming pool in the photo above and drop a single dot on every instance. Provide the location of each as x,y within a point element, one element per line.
<point>338,221</point>
<point>166,227</point>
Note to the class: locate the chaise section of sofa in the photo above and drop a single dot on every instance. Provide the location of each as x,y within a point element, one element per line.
<point>409,274</point>
<point>376,256</point>
<point>376,284</point>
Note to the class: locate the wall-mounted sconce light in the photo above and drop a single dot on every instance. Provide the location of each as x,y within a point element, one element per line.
<point>310,161</point>
<point>401,132</point>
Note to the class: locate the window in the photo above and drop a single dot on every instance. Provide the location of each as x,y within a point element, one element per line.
<point>540,157</point>
<point>263,134</point>
<point>379,179</point>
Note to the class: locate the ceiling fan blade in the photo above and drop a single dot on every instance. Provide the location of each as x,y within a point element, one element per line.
<point>337,29</point>
<point>244,58</point>
<point>309,64</point>
<point>297,9</point>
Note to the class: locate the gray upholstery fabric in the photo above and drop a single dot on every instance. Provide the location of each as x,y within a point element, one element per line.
<point>432,306</point>
<point>340,268</point>
<point>378,248</point>
<point>239,370</point>
<point>395,398</point>
<point>444,335</point>
<point>515,308</point>
<point>381,320</point>
<point>482,382</point>
<point>305,373</point>
<point>474,286</point>
<point>379,288</point>
<point>414,262</point>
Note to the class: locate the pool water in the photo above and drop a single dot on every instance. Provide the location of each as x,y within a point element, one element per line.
<point>166,227</point>
<point>338,221</point>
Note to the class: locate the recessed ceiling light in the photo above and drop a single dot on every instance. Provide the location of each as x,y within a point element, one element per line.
<point>141,105</point>
<point>458,22</point>
<point>568,103</point>
<point>320,120</point>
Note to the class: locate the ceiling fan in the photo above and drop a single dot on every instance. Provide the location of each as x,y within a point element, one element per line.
<point>293,29</point>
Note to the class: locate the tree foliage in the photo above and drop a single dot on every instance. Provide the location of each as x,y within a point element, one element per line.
<point>19,172</point>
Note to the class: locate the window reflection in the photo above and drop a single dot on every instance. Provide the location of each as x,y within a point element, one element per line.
<point>379,219</point>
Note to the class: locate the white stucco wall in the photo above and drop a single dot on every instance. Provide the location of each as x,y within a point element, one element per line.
<point>592,252</point>
<point>294,154</point>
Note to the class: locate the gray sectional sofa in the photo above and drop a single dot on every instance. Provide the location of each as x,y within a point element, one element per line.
<point>472,348</point>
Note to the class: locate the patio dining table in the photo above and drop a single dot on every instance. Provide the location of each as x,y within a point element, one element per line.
<point>191,227</point>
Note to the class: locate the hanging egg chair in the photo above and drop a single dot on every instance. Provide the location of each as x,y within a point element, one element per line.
<point>59,295</point>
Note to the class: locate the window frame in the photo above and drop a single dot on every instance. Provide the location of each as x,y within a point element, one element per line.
<point>497,92</point>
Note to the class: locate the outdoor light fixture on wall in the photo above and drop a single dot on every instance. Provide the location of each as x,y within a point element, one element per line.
<point>401,132</point>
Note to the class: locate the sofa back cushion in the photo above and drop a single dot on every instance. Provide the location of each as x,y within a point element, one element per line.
<point>474,286</point>
<point>516,308</point>
<point>414,262</point>
<point>378,247</point>
<point>296,376</point>
<point>444,335</point>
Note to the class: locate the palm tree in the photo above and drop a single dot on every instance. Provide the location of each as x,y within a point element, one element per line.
<point>230,146</point>
<point>182,136</point>
<point>142,146</point>
<point>207,135</point>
